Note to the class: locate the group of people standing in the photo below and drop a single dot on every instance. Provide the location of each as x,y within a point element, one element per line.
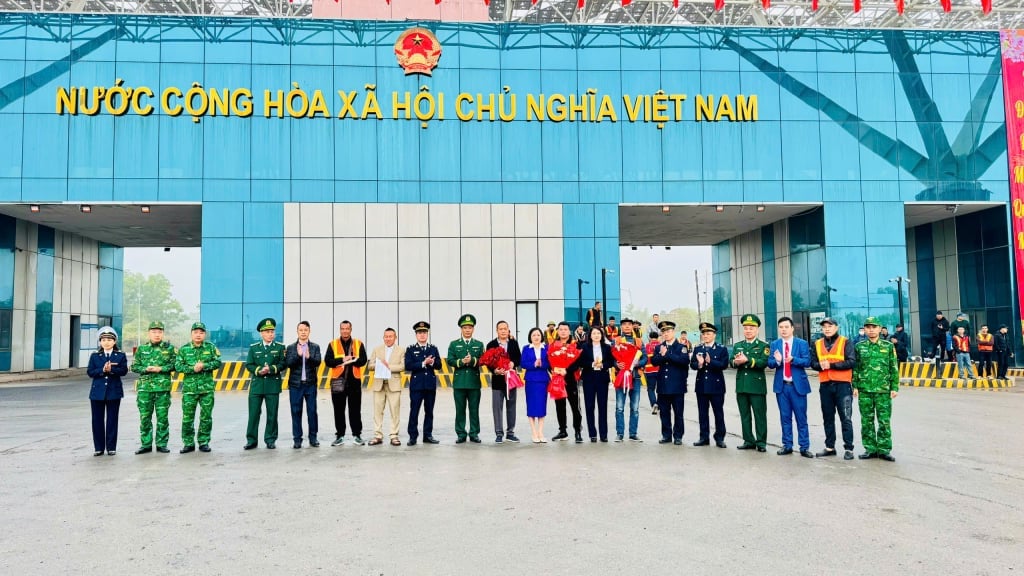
<point>953,341</point>
<point>866,370</point>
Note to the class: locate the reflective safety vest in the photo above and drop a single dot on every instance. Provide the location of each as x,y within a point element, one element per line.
<point>985,342</point>
<point>836,354</point>
<point>612,332</point>
<point>650,368</point>
<point>962,344</point>
<point>336,372</point>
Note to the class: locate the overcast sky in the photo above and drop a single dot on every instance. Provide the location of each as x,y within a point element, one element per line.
<point>655,278</point>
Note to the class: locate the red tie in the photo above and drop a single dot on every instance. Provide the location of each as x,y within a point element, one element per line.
<point>787,372</point>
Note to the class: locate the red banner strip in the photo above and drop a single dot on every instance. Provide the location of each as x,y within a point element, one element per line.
<point>1012,43</point>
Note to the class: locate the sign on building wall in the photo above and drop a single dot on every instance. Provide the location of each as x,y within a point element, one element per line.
<point>1012,42</point>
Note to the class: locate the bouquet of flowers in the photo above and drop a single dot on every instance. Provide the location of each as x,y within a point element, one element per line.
<point>497,359</point>
<point>626,354</point>
<point>560,357</point>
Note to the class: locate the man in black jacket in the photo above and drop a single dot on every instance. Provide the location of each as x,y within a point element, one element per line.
<point>940,327</point>
<point>303,358</point>
<point>1004,351</point>
<point>502,399</point>
<point>902,341</point>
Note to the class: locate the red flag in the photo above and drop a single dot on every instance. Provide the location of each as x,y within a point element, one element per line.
<point>719,4</point>
<point>814,4</point>
<point>675,3</point>
<point>856,5</point>
<point>627,2</point>
<point>437,1</point>
<point>579,4</point>
<point>986,6</point>
<point>766,3</point>
<point>899,6</point>
<point>947,5</point>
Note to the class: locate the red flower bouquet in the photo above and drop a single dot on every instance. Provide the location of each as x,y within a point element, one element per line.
<point>497,359</point>
<point>560,356</point>
<point>626,354</point>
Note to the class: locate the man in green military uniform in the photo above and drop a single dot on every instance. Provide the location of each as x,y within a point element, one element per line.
<point>154,362</point>
<point>197,360</point>
<point>876,380</point>
<point>464,358</point>
<point>750,358</point>
<point>265,363</point>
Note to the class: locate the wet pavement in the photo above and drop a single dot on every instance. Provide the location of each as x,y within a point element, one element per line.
<point>951,503</point>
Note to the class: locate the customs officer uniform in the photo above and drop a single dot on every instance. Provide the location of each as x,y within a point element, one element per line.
<point>710,386</point>
<point>466,381</point>
<point>422,385</point>
<point>197,389</point>
<point>672,360</point>
<point>876,380</point>
<point>153,391</point>
<point>752,388</point>
<point>264,388</point>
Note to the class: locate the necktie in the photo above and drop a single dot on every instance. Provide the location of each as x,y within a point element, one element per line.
<point>302,351</point>
<point>787,371</point>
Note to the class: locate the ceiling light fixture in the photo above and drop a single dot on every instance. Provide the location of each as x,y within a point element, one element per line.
<point>760,208</point>
<point>145,209</point>
<point>34,208</point>
<point>666,209</point>
<point>719,208</point>
<point>85,208</point>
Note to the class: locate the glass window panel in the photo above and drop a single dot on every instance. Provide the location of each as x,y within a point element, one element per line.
<point>556,52</point>
<point>801,102</point>
<point>11,129</point>
<point>41,83</point>
<point>222,220</point>
<point>766,88</point>
<point>226,151</point>
<point>12,40</point>
<point>12,72</point>
<point>50,42</point>
<point>834,61</point>
<point>560,144</point>
<point>312,148</point>
<point>682,151</point>
<point>642,165</point>
<point>994,233</point>
<point>844,224</point>
<point>847,277</point>
<point>801,146</point>
<point>45,152</point>
<point>601,156</point>
<point>90,154</point>
<point>968,232</point>
<point>725,140</point>
<point>222,268</point>
<point>134,150</point>
<point>521,51</point>
<point>263,270</point>
<point>181,40</point>
<point>600,50</point>
<point>972,273</point>
<point>224,324</point>
<point>875,94</point>
<point>996,280</point>
<point>439,151</point>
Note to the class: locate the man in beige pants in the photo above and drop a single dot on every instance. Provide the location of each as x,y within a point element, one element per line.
<point>387,362</point>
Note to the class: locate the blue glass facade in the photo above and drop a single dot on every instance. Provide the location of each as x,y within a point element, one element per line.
<point>858,122</point>
<point>44,298</point>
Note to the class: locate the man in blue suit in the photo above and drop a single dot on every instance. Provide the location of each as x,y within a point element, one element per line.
<point>789,357</point>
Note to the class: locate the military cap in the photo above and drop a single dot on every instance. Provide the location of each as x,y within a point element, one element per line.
<point>467,320</point>
<point>829,320</point>
<point>872,321</point>
<point>551,323</point>
<point>421,326</point>
<point>708,327</point>
<point>750,320</point>
<point>266,324</point>
<point>156,325</point>
<point>665,325</point>
<point>199,326</point>
<point>625,320</point>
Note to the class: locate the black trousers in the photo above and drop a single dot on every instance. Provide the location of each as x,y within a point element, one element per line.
<point>104,424</point>
<point>426,399</point>
<point>837,397</point>
<point>716,403</point>
<point>985,364</point>
<point>573,398</point>
<point>596,394</point>
<point>1003,358</point>
<point>353,396</point>
<point>670,407</point>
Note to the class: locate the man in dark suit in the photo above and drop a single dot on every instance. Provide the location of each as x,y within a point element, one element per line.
<point>502,399</point>
<point>422,360</point>
<point>303,359</point>
<point>709,359</point>
<point>789,357</point>
<point>672,360</point>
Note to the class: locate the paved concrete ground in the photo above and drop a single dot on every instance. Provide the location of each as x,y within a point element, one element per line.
<point>951,504</point>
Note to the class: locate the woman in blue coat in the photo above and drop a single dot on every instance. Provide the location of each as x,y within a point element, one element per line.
<point>595,361</point>
<point>535,361</point>
<point>106,366</point>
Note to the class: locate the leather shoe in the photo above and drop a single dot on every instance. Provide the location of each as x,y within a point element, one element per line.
<point>461,440</point>
<point>297,445</point>
<point>665,441</point>
<point>431,440</point>
<point>762,449</point>
<point>604,439</point>
<point>271,446</point>
<point>887,457</point>
<point>162,449</point>
<point>807,454</point>
<point>474,439</point>
<point>204,448</point>
<point>746,447</point>
<point>559,436</point>
<point>144,450</point>
<point>826,452</point>
<point>412,442</point>
<point>677,442</point>
<point>702,443</point>
<point>187,449</point>
<point>250,446</point>
<point>579,438</point>
<point>848,455</point>
<point>314,444</point>
<point>867,456</point>
<point>720,444</point>
<point>784,451</point>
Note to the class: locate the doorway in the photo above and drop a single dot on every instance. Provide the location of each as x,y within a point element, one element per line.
<point>76,341</point>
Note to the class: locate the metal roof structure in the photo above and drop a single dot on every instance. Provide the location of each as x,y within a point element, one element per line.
<point>874,14</point>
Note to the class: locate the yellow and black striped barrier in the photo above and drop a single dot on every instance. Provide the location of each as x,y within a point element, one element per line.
<point>960,383</point>
<point>234,375</point>
<point>926,370</point>
<point>1015,372</point>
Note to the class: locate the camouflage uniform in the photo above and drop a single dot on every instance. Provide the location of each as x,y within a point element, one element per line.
<point>875,376</point>
<point>197,388</point>
<point>153,390</point>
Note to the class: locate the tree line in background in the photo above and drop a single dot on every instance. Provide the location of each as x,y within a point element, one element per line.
<point>148,299</point>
